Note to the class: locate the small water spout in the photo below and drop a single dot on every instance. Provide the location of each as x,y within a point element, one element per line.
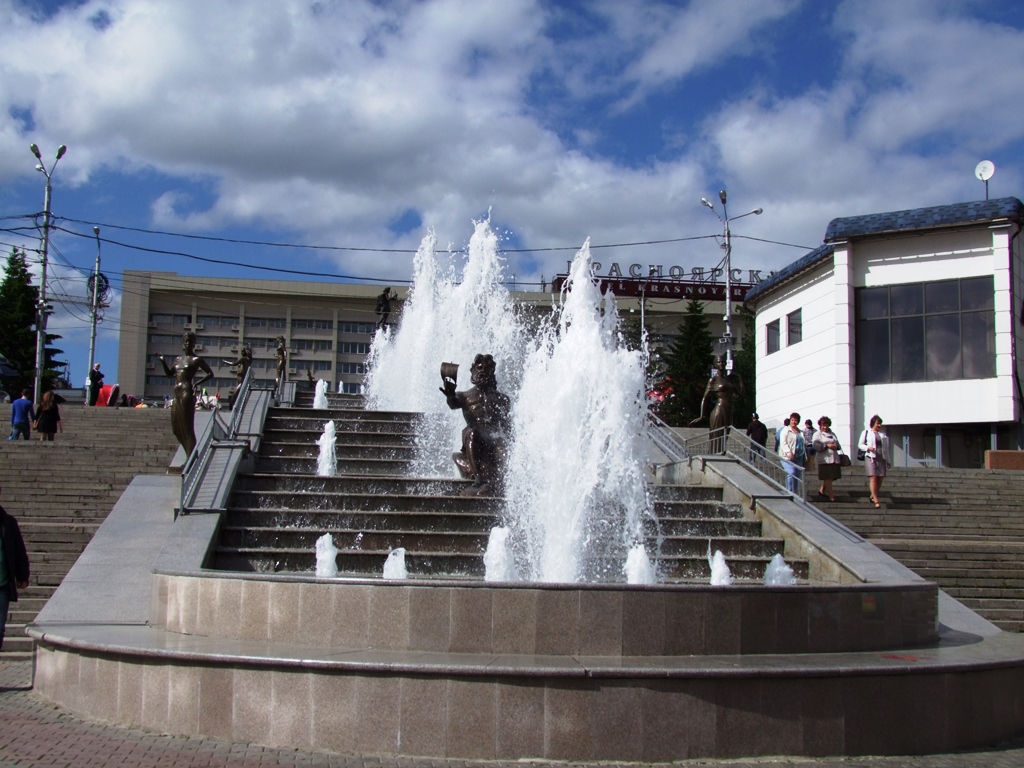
<point>638,568</point>
<point>721,576</point>
<point>326,557</point>
<point>327,463</point>
<point>498,563</point>
<point>394,566</point>
<point>320,396</point>
<point>779,573</point>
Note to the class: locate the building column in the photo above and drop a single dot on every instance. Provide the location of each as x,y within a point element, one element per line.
<point>845,324</point>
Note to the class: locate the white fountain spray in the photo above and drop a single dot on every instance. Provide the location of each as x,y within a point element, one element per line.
<point>444,320</point>
<point>498,563</point>
<point>327,461</point>
<point>721,576</point>
<point>779,573</point>
<point>575,487</point>
<point>320,396</point>
<point>394,566</point>
<point>326,557</point>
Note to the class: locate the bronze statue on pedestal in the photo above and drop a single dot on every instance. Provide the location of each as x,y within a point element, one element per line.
<point>243,364</point>
<point>486,411</point>
<point>186,387</point>
<point>723,387</point>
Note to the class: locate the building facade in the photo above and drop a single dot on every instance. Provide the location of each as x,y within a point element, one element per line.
<point>912,315</point>
<point>327,327</point>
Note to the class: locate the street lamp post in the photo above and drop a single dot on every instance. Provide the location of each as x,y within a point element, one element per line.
<point>95,310</point>
<point>727,337</point>
<point>42,309</point>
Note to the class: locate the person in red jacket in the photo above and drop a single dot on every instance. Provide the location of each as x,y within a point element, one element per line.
<point>13,566</point>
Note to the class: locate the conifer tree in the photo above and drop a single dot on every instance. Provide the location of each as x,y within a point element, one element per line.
<point>688,366</point>
<point>18,299</point>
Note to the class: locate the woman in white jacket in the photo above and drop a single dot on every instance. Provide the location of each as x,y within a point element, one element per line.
<point>875,444</point>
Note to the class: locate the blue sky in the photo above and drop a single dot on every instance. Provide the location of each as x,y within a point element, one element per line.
<point>358,125</point>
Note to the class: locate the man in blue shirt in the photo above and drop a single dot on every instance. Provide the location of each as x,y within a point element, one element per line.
<point>22,416</point>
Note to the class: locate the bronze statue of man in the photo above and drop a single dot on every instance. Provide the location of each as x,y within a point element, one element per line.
<point>242,365</point>
<point>186,387</point>
<point>722,388</point>
<point>486,411</point>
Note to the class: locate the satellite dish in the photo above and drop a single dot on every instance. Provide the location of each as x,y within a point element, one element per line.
<point>985,170</point>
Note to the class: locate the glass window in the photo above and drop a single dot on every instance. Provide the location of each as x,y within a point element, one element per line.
<point>302,344</point>
<point>943,347</point>
<point>795,327</point>
<point>872,351</point>
<point>977,293</point>
<point>351,368</point>
<point>978,334</point>
<point>352,389</point>
<point>906,300</point>
<point>321,365</point>
<point>772,336</point>
<point>323,344</point>
<point>942,297</point>
<point>162,319</point>
<point>872,303</point>
<point>324,325</point>
<point>908,338</point>
<point>302,324</point>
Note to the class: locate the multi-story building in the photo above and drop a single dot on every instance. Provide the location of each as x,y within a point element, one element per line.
<point>912,315</point>
<point>327,327</point>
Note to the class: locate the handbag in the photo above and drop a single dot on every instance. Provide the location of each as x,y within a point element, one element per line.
<point>860,451</point>
<point>844,460</point>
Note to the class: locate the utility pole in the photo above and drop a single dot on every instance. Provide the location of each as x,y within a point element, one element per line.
<point>727,337</point>
<point>95,310</point>
<point>42,310</point>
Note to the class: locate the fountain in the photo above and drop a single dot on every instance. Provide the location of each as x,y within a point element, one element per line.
<point>575,487</point>
<point>327,461</point>
<point>320,396</point>
<point>576,641</point>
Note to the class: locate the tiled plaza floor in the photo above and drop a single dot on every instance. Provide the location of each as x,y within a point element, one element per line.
<point>33,733</point>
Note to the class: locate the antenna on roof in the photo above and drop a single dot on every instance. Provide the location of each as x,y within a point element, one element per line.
<point>984,171</point>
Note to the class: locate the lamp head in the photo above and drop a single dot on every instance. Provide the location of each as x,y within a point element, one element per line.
<point>40,168</point>
<point>35,151</point>
<point>61,150</point>
<point>96,231</point>
<point>704,201</point>
<point>758,211</point>
<point>721,196</point>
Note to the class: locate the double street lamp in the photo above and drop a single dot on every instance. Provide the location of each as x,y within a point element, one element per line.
<point>42,309</point>
<point>727,337</point>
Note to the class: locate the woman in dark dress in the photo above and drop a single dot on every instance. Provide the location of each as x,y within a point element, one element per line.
<point>48,419</point>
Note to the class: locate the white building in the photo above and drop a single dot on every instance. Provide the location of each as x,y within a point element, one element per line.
<point>912,315</point>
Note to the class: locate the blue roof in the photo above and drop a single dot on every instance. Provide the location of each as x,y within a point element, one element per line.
<point>895,221</point>
<point>925,218</point>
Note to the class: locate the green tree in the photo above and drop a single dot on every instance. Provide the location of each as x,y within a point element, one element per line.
<point>744,363</point>
<point>688,366</point>
<point>18,299</point>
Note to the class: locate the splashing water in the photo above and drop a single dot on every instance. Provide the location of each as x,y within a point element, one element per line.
<point>779,573</point>
<point>326,557</point>
<point>721,576</point>
<point>575,481</point>
<point>638,568</point>
<point>394,566</point>
<point>327,461</point>
<point>445,321</point>
<point>498,564</point>
<point>320,396</point>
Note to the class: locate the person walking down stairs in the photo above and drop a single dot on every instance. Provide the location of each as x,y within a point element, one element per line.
<point>875,444</point>
<point>14,569</point>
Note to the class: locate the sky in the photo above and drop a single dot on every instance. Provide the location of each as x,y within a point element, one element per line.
<point>237,139</point>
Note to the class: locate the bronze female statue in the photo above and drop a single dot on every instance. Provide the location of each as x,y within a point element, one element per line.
<point>723,387</point>
<point>242,365</point>
<point>282,362</point>
<point>186,386</point>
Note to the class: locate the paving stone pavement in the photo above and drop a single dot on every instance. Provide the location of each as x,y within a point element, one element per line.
<point>34,733</point>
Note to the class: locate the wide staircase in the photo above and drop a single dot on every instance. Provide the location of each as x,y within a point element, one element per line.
<point>961,528</point>
<point>372,506</point>
<point>61,492</point>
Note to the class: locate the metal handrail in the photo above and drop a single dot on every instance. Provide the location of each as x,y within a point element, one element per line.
<point>241,398</point>
<point>734,444</point>
<point>197,461</point>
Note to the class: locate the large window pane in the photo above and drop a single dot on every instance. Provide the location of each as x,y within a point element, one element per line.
<point>906,300</point>
<point>872,351</point>
<point>872,303</point>
<point>943,347</point>
<point>795,326</point>
<point>908,349</point>
<point>977,293</point>
<point>978,331</point>
<point>942,297</point>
